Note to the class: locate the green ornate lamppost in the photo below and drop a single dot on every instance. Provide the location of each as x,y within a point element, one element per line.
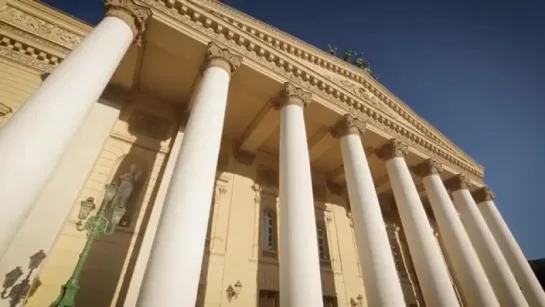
<point>96,226</point>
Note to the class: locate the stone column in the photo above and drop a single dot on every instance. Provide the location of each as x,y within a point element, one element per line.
<point>511,250</point>
<point>300,282</point>
<point>34,140</point>
<point>145,248</point>
<point>380,276</point>
<point>472,279</point>
<point>500,276</point>
<point>428,262</point>
<point>174,266</point>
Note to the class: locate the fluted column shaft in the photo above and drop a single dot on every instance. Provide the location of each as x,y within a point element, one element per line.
<point>430,268</point>
<point>174,266</point>
<point>499,274</point>
<point>380,276</point>
<point>34,140</point>
<point>472,279</point>
<point>512,252</point>
<point>300,282</point>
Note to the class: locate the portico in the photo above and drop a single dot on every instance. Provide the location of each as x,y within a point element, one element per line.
<point>251,102</point>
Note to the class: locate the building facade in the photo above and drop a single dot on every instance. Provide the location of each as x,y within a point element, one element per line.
<point>182,153</point>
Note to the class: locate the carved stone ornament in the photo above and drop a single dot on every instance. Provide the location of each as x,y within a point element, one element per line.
<point>223,58</point>
<point>292,95</point>
<point>133,14</point>
<point>392,149</point>
<point>264,52</point>
<point>483,194</point>
<point>458,182</point>
<point>348,125</point>
<point>428,167</point>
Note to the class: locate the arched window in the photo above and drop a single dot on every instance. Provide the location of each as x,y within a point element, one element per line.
<point>268,230</point>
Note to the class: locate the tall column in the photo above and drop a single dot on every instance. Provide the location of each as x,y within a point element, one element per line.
<point>380,276</point>
<point>472,279</point>
<point>430,268</point>
<point>511,250</point>
<point>494,264</point>
<point>300,282</point>
<point>34,140</point>
<point>174,266</point>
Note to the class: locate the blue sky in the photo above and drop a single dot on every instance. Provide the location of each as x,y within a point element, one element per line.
<point>474,69</point>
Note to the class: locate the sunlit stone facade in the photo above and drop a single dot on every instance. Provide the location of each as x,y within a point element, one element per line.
<point>250,169</point>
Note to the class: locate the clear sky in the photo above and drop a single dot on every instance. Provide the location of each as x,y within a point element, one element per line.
<point>475,69</point>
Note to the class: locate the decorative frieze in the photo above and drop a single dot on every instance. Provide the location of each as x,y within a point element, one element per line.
<point>393,148</point>
<point>428,167</point>
<point>483,194</point>
<point>194,16</point>
<point>371,90</point>
<point>43,28</point>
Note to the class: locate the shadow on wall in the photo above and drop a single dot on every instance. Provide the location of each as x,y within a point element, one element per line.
<point>100,278</point>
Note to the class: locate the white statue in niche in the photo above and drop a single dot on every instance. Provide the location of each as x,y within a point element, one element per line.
<point>127,182</point>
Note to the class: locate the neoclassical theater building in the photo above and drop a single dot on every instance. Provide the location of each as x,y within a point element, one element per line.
<point>182,153</point>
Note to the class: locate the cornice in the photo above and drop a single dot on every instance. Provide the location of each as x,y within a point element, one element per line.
<point>27,55</point>
<point>18,17</point>
<point>311,54</point>
<point>37,36</point>
<point>220,30</point>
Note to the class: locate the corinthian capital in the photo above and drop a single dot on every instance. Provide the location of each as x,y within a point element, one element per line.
<point>133,14</point>
<point>393,148</point>
<point>223,58</point>
<point>428,167</point>
<point>292,95</point>
<point>458,182</point>
<point>348,125</point>
<point>483,194</point>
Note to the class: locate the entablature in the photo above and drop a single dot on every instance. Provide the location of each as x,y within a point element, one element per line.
<point>284,68</point>
<point>266,49</point>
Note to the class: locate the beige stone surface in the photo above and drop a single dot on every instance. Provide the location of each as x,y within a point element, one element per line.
<point>154,84</point>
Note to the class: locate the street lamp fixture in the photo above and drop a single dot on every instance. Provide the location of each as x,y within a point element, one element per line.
<point>96,226</point>
<point>234,291</point>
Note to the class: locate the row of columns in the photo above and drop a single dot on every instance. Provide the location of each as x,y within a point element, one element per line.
<point>173,271</point>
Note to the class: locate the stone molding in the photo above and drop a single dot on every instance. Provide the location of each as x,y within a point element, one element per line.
<point>428,167</point>
<point>222,58</point>
<point>483,194</point>
<point>392,149</point>
<point>217,28</point>
<point>458,182</point>
<point>348,125</point>
<point>309,53</point>
<point>27,55</point>
<point>292,94</point>
<point>220,28</point>
<point>133,14</point>
<point>41,28</point>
